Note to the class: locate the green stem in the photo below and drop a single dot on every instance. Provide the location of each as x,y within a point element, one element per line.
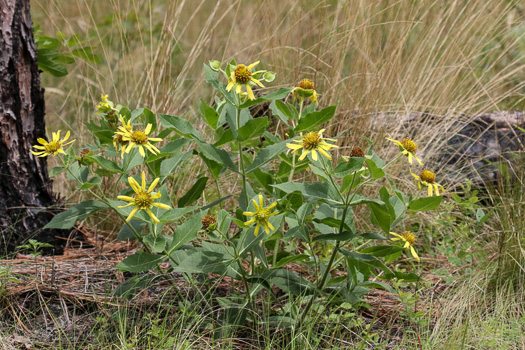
<point>241,161</point>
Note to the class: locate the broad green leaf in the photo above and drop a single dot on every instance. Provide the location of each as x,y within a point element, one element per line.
<point>218,155</point>
<point>281,110</point>
<point>275,95</point>
<point>47,62</point>
<point>367,259</point>
<point>186,232</point>
<point>425,203</point>
<point>68,218</point>
<point>56,170</point>
<point>311,120</point>
<point>380,216</point>
<point>147,116</point>
<point>86,53</point>
<point>289,281</point>
<point>320,190</point>
<point>169,165</point>
<point>345,168</point>
<point>194,193</point>
<point>267,154</point>
<point>182,126</point>
<point>253,128</point>
<point>209,114</point>
<point>140,262</point>
<point>155,243</point>
<point>375,171</point>
<point>90,183</point>
<point>127,233</point>
<point>381,250</point>
<point>106,164</point>
<point>290,259</point>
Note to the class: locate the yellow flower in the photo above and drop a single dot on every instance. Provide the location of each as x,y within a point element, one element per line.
<point>138,138</point>
<point>408,147</point>
<point>428,178</point>
<point>312,142</point>
<point>306,89</point>
<point>54,147</point>
<point>261,216</point>
<point>118,139</point>
<point>243,75</point>
<point>142,199</point>
<point>409,239</point>
<point>103,106</point>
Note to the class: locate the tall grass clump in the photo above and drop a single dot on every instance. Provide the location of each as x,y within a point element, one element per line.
<point>449,58</point>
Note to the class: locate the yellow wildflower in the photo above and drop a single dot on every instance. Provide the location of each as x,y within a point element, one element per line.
<point>243,76</point>
<point>428,178</point>
<point>138,138</point>
<point>261,216</point>
<point>118,139</point>
<point>312,142</point>
<point>54,147</point>
<point>306,89</point>
<point>143,199</point>
<point>409,239</point>
<point>408,147</point>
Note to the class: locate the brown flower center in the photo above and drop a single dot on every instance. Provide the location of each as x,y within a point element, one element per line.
<point>208,222</point>
<point>409,237</point>
<point>409,145</point>
<point>242,74</point>
<point>52,146</point>
<point>311,140</point>
<point>307,84</point>
<point>357,152</point>
<point>427,176</point>
<point>143,200</point>
<point>139,137</point>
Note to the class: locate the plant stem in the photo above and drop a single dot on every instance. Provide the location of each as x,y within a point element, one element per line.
<point>241,161</point>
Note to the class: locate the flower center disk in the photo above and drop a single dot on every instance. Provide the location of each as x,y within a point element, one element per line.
<point>311,140</point>
<point>427,176</point>
<point>52,146</point>
<point>143,200</point>
<point>409,145</point>
<point>409,237</point>
<point>139,137</point>
<point>307,84</point>
<point>242,74</point>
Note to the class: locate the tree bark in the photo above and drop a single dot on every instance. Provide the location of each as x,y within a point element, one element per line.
<point>25,187</point>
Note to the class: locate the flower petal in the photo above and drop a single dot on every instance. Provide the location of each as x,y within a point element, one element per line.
<point>132,214</point>
<point>150,213</point>
<point>161,206</point>
<point>126,198</point>
<point>153,184</point>
<point>148,129</point>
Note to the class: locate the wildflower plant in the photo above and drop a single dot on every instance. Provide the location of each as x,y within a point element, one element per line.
<point>254,240</point>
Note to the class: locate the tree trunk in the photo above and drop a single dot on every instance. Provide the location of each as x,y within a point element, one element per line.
<point>25,187</point>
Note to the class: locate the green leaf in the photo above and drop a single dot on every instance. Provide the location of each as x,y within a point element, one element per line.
<point>182,126</point>
<point>289,281</point>
<point>425,203</point>
<point>274,95</point>
<point>210,115</point>
<point>281,110</point>
<point>106,164</point>
<point>140,262</point>
<point>344,236</point>
<point>290,259</point>
<point>267,154</point>
<point>47,62</point>
<point>127,233</point>
<point>311,120</point>
<point>86,53</point>
<point>382,250</point>
<point>210,76</point>
<point>375,171</point>
<point>147,116</point>
<point>169,166</point>
<point>380,216</point>
<point>218,155</point>
<point>319,190</point>
<point>156,243</point>
<point>193,193</point>
<point>253,128</point>
<point>345,168</point>
<point>68,218</point>
<point>367,259</point>
<point>186,232</point>
<point>56,170</point>
<point>92,182</point>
